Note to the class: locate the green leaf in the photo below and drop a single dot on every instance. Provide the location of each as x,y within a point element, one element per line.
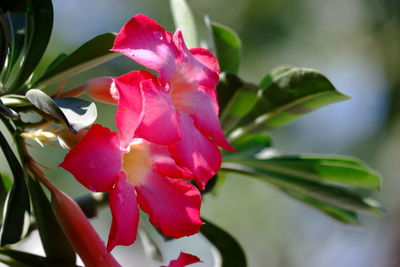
<point>340,197</point>
<point>17,205</point>
<point>89,55</point>
<point>39,27</point>
<point>322,169</point>
<point>227,46</point>
<point>5,185</point>
<point>24,259</point>
<point>287,95</point>
<point>54,241</point>
<point>14,101</point>
<point>4,40</point>
<point>230,250</point>
<point>341,215</point>
<point>184,20</point>
<point>80,113</point>
<point>74,112</point>
<point>7,111</point>
<point>247,146</point>
<point>240,97</point>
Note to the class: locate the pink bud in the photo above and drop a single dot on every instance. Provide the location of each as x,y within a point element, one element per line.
<point>100,89</point>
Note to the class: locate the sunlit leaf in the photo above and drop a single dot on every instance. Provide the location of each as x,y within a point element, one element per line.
<point>89,55</point>
<point>14,100</point>
<point>17,205</point>
<point>227,46</point>
<point>232,254</point>
<point>54,241</point>
<point>39,27</point>
<point>74,112</point>
<point>288,94</point>
<point>340,197</point>
<point>184,20</point>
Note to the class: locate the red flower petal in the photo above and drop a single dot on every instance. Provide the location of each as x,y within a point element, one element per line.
<point>96,160</point>
<point>165,165</point>
<point>190,67</point>
<point>131,103</point>
<point>205,116</point>
<point>173,205</point>
<point>183,260</point>
<point>145,41</point>
<point>125,214</point>
<point>196,152</point>
<point>160,122</point>
<point>206,58</point>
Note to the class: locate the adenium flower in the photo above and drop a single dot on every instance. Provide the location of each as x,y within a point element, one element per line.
<point>179,108</point>
<point>138,173</point>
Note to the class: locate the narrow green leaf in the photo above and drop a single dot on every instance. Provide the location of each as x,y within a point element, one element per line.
<point>39,26</point>
<point>288,95</point>
<point>227,46</point>
<point>89,55</point>
<point>24,259</point>
<point>74,112</point>
<point>5,185</point>
<point>341,215</point>
<point>230,250</point>
<point>228,84</point>
<point>17,205</point>
<point>242,98</point>
<point>184,20</point>
<point>54,241</point>
<point>4,40</point>
<point>334,195</point>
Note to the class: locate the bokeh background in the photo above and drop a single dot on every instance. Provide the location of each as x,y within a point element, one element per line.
<point>355,43</point>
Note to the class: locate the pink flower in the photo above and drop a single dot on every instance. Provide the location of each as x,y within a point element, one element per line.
<point>183,260</point>
<point>144,173</point>
<point>180,108</point>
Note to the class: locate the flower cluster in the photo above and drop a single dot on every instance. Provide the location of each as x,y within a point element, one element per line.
<point>168,133</point>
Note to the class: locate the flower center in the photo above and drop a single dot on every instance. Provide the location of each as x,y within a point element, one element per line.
<point>183,85</point>
<point>137,163</point>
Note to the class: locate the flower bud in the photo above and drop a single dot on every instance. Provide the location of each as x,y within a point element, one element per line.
<point>79,231</point>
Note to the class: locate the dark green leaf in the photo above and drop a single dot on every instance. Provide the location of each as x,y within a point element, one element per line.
<point>74,112</point>
<point>39,26</point>
<point>54,241</point>
<point>341,215</point>
<point>56,61</point>
<point>4,40</point>
<point>22,259</point>
<point>230,250</point>
<point>5,185</point>
<point>89,55</point>
<point>7,111</point>
<point>184,20</point>
<point>17,206</point>
<point>248,145</point>
<point>227,46</point>
<point>333,195</point>
<point>287,95</point>
<point>241,97</point>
